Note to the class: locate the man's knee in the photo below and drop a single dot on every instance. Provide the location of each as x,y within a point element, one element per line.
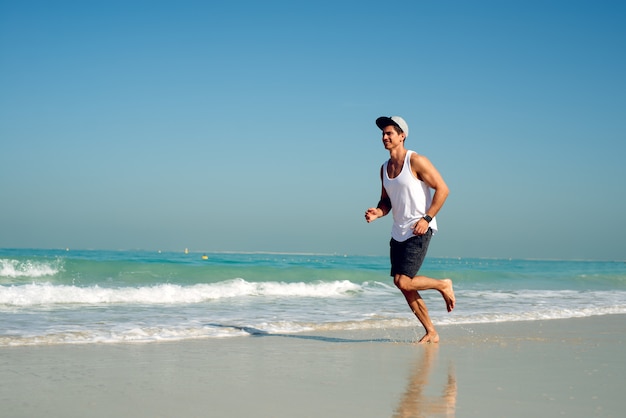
<point>402,282</point>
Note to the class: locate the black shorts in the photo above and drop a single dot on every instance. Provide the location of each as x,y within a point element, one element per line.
<point>407,256</point>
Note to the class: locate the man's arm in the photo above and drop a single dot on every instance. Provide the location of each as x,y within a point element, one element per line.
<point>384,204</point>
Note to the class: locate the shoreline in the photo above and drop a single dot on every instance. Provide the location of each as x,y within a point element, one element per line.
<point>382,255</point>
<point>571,367</point>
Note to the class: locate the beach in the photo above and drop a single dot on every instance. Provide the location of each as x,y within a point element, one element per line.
<point>563,367</point>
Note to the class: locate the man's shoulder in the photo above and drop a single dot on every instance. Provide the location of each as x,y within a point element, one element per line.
<point>419,162</point>
<point>417,157</point>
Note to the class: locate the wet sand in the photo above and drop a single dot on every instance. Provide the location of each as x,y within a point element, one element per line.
<point>572,367</point>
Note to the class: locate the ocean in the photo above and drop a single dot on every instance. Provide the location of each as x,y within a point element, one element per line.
<point>88,297</point>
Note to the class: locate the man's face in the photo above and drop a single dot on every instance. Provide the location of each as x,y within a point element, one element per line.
<point>391,138</point>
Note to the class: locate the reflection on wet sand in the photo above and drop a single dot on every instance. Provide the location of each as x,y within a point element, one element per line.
<point>414,402</point>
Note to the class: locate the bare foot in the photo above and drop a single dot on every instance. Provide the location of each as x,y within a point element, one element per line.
<point>430,337</point>
<point>448,294</point>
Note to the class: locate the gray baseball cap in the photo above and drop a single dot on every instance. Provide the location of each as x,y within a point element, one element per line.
<point>383,121</point>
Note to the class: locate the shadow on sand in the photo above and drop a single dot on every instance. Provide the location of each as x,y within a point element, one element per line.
<point>260,333</point>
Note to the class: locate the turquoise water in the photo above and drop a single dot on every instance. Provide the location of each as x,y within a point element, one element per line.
<point>54,297</point>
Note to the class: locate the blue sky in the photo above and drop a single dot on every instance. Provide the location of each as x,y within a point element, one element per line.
<point>249,126</point>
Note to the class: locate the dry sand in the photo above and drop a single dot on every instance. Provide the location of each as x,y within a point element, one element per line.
<point>572,368</point>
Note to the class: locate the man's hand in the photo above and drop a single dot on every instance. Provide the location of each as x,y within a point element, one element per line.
<point>372,214</point>
<point>420,227</point>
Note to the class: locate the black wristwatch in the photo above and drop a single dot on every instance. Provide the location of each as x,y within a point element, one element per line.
<point>428,218</point>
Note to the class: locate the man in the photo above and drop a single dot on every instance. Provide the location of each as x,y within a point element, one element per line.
<point>407,179</point>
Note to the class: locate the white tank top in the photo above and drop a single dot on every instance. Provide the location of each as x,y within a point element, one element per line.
<point>410,198</point>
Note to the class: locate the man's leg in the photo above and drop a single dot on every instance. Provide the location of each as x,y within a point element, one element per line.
<point>407,257</point>
<point>417,305</point>
<point>409,288</point>
<point>417,283</point>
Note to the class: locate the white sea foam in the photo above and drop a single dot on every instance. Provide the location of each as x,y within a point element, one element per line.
<point>537,315</point>
<point>134,335</point>
<point>49,294</point>
<point>15,268</point>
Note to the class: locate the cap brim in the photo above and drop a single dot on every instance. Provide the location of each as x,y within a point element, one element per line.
<point>384,121</point>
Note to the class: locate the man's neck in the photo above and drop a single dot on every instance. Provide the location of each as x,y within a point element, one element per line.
<point>397,154</point>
